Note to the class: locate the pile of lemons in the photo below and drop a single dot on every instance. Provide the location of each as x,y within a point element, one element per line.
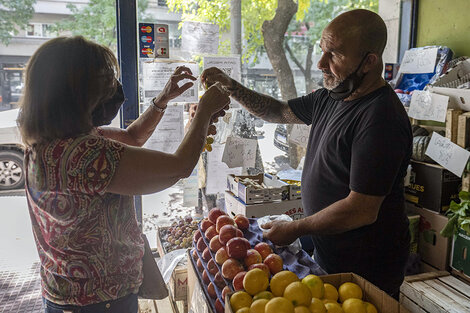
<point>288,294</point>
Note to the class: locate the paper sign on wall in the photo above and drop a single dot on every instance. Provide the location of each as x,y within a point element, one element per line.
<point>217,170</point>
<point>169,132</point>
<point>300,135</point>
<point>419,61</point>
<point>200,38</point>
<point>447,154</point>
<point>426,105</point>
<point>229,65</point>
<point>240,152</point>
<point>157,74</point>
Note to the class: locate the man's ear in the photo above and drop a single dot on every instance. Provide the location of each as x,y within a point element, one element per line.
<point>371,61</point>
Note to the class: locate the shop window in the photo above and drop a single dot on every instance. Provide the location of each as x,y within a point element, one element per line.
<point>43,30</point>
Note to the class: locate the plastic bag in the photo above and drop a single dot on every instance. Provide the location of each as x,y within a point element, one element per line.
<point>294,247</point>
<point>169,261</point>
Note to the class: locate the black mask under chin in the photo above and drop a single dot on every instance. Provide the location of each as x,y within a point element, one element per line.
<point>105,112</point>
<point>348,85</point>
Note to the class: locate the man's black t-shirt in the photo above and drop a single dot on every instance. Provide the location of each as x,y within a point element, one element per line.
<point>365,146</point>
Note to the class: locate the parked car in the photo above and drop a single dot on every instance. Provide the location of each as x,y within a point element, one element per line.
<point>280,138</point>
<point>12,174</point>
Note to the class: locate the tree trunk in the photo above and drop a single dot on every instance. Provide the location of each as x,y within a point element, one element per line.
<point>273,34</point>
<point>308,70</point>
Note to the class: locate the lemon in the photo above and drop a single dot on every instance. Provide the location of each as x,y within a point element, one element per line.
<point>333,308</point>
<point>279,305</point>
<point>330,292</point>
<point>255,281</point>
<point>280,281</point>
<point>325,301</point>
<point>298,293</point>
<point>240,299</point>
<point>353,305</point>
<point>370,308</point>
<point>258,306</point>
<point>317,306</point>
<point>349,290</point>
<point>315,284</point>
<point>301,309</point>
<point>243,310</point>
<point>263,295</point>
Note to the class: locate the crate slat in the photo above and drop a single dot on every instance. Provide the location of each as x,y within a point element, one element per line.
<point>450,292</point>
<point>425,276</point>
<point>456,284</point>
<point>410,305</point>
<point>421,299</point>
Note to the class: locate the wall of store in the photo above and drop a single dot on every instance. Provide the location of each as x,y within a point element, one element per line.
<point>444,22</point>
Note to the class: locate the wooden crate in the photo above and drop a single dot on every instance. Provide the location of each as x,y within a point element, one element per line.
<point>435,292</point>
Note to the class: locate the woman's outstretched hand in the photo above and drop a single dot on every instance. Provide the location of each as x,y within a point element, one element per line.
<point>172,90</point>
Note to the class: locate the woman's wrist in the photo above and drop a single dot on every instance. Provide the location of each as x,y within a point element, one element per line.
<point>159,104</point>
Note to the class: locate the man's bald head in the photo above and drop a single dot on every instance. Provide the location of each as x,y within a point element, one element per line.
<point>363,27</point>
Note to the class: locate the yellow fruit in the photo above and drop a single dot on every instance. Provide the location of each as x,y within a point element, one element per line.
<point>315,284</point>
<point>240,299</point>
<point>263,295</point>
<point>301,309</point>
<point>279,305</point>
<point>330,292</point>
<point>349,290</point>
<point>280,281</point>
<point>353,305</point>
<point>243,310</point>
<point>298,293</point>
<point>370,308</point>
<point>333,308</point>
<point>258,306</point>
<point>255,281</point>
<point>325,301</point>
<point>317,306</point>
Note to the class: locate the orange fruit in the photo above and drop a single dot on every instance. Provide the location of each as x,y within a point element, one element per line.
<point>315,284</point>
<point>330,292</point>
<point>240,299</point>
<point>280,281</point>
<point>353,305</point>
<point>258,306</point>
<point>349,290</point>
<point>279,305</point>
<point>301,309</point>
<point>298,294</point>
<point>317,306</point>
<point>333,308</point>
<point>263,295</point>
<point>255,281</point>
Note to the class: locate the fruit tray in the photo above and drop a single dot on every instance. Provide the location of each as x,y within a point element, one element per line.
<point>301,263</point>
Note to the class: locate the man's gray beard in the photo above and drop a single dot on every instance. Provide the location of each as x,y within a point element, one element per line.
<point>331,84</point>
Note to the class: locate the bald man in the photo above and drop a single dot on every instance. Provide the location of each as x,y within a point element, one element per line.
<point>358,152</point>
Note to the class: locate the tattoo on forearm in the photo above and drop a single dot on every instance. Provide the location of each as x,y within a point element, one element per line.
<point>263,106</point>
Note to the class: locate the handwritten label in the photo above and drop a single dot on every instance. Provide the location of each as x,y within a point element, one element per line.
<point>428,106</point>
<point>447,154</point>
<point>202,38</point>
<point>300,135</point>
<point>217,170</point>
<point>169,132</point>
<point>240,152</point>
<point>419,61</point>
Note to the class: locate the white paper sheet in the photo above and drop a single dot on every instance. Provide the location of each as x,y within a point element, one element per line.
<point>202,38</point>
<point>240,152</point>
<point>157,74</point>
<point>217,170</point>
<point>300,134</point>
<point>428,106</point>
<point>419,61</point>
<point>448,154</point>
<point>169,132</point>
<point>191,190</point>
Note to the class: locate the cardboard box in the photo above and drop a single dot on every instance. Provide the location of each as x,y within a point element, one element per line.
<point>382,301</point>
<point>463,135</point>
<point>295,190</point>
<point>432,186</point>
<point>461,253</point>
<point>278,190</point>
<point>414,232</point>
<point>458,98</point>
<point>433,248</point>
<point>196,297</point>
<point>452,124</point>
<point>234,206</point>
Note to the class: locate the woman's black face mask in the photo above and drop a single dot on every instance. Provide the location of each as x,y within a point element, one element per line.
<point>105,112</point>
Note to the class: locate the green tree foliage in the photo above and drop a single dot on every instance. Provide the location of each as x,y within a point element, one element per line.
<point>14,15</point>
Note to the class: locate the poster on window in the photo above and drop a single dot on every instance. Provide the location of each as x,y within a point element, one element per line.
<point>217,170</point>
<point>169,132</point>
<point>200,38</point>
<point>156,74</point>
<point>229,65</point>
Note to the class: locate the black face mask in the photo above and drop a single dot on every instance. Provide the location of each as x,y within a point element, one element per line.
<point>348,85</point>
<point>105,112</point>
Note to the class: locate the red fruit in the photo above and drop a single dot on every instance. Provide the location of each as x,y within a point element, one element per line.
<point>195,256</point>
<point>264,249</point>
<point>205,224</point>
<point>201,245</point>
<point>200,268</point>
<point>211,291</point>
<point>197,235</point>
<point>226,291</point>
<point>238,281</point>
<point>237,247</point>
<point>212,267</point>
<point>210,232</point>
<point>230,268</point>
<point>241,221</point>
<point>262,267</point>
<point>222,221</point>
<point>239,233</point>
<point>221,256</point>
<point>219,307</point>
<point>226,233</point>
<point>398,91</point>
<point>205,277</point>
<point>214,214</point>
<point>274,262</point>
<point>206,255</point>
<point>215,244</point>
<point>252,257</point>
<point>219,280</point>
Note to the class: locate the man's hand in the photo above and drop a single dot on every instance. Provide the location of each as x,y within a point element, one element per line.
<point>213,75</point>
<point>280,233</point>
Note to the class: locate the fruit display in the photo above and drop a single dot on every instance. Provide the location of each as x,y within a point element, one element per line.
<point>230,256</point>
<point>179,235</point>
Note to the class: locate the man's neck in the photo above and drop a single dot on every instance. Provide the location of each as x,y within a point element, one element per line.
<point>370,83</point>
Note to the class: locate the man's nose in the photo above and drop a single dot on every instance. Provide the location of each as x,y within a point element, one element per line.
<point>323,63</point>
